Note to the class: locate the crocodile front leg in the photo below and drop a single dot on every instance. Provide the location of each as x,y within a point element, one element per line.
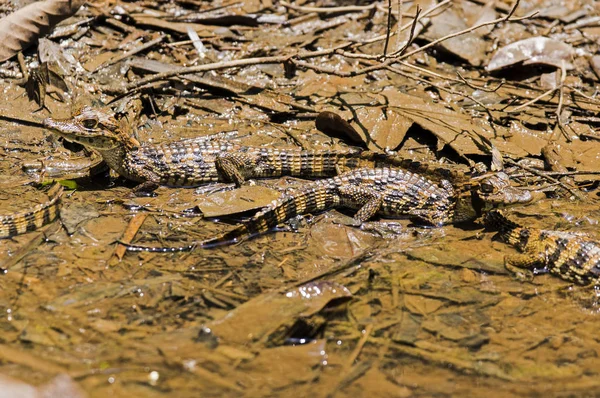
<point>522,265</point>
<point>145,189</point>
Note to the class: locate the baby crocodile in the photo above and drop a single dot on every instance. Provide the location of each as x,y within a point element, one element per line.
<point>203,160</point>
<point>573,257</point>
<point>388,192</point>
<point>27,221</point>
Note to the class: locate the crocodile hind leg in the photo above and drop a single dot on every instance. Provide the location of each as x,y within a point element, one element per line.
<point>230,166</point>
<point>370,202</point>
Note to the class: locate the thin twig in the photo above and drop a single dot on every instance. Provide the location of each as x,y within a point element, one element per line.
<point>221,65</point>
<point>326,10</point>
<point>361,343</point>
<point>128,54</point>
<point>399,24</point>
<point>563,77</point>
<point>562,173</point>
<point>408,25</point>
<point>536,99</point>
<point>389,28</point>
<point>538,173</point>
<point>584,95</point>
<point>332,71</point>
<point>506,18</point>
<point>398,55</point>
<point>419,17</point>
<point>474,87</point>
<point>448,90</point>
<point>411,35</point>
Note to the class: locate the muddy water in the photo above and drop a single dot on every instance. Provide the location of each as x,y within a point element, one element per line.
<point>319,309</point>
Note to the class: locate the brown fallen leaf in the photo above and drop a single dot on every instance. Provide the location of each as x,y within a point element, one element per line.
<point>535,50</point>
<point>386,127</point>
<point>236,201</point>
<point>333,124</point>
<point>469,46</point>
<point>268,317</point>
<point>22,28</point>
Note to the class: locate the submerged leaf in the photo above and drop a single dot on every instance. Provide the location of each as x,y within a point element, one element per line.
<point>269,316</point>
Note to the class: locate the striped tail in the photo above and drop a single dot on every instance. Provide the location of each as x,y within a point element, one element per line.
<point>319,163</point>
<point>433,170</point>
<point>27,221</point>
<point>312,199</point>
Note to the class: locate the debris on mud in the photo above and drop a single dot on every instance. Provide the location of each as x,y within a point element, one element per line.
<point>319,306</point>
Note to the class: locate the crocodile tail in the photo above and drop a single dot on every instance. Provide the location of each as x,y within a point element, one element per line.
<point>314,198</point>
<point>235,235</point>
<point>30,220</point>
<point>433,170</point>
<point>368,159</point>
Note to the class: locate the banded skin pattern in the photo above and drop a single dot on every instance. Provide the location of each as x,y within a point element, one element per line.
<point>383,191</point>
<point>573,257</point>
<point>387,192</point>
<point>28,221</point>
<point>203,160</point>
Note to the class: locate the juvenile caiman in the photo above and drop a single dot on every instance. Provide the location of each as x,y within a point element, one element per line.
<point>27,221</point>
<point>197,161</point>
<point>573,257</point>
<point>388,192</point>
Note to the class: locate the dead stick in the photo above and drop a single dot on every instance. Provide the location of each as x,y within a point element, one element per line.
<point>221,65</point>
<point>536,99</point>
<point>547,177</point>
<point>389,28</point>
<point>134,225</point>
<point>507,18</point>
<point>346,370</point>
<point>324,10</point>
<point>361,343</point>
<point>128,54</point>
<point>406,26</point>
<point>399,25</point>
<point>23,65</point>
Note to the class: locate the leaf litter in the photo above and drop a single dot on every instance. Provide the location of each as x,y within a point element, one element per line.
<point>415,311</point>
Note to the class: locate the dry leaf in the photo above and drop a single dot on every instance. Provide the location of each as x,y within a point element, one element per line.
<point>22,28</point>
<point>245,198</point>
<point>469,46</point>
<point>333,124</point>
<point>535,50</point>
<point>386,127</point>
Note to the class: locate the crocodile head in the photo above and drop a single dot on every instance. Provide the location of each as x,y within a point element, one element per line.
<point>487,192</point>
<point>93,129</point>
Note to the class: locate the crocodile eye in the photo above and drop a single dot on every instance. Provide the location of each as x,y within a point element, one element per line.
<point>89,123</point>
<point>486,187</point>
